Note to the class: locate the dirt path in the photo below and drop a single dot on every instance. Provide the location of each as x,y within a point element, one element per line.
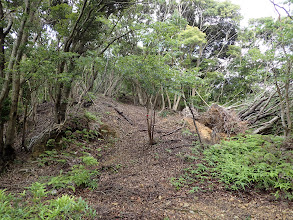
<point>141,188</point>
<point>135,178</point>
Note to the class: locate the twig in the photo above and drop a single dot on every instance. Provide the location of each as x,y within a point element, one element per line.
<point>179,146</point>
<point>121,113</point>
<point>183,210</point>
<point>172,140</point>
<point>174,130</point>
<point>195,125</point>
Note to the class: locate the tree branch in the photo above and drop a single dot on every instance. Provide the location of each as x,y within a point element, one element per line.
<point>117,38</point>
<point>69,39</point>
<point>276,5</point>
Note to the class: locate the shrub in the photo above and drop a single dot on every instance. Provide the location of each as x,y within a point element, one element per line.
<point>35,205</point>
<point>248,161</point>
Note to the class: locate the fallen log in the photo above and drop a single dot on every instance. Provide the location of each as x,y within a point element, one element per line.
<point>266,126</point>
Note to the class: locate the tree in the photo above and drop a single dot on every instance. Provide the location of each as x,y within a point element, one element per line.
<point>272,65</point>
<point>22,19</point>
<point>78,27</point>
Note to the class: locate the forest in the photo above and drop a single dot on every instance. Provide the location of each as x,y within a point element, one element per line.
<point>145,109</point>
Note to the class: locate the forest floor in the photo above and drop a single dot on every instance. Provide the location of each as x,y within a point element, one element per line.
<point>135,177</point>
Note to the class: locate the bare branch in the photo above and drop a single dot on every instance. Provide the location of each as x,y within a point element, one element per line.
<point>278,6</point>
<point>117,38</point>
<point>8,28</point>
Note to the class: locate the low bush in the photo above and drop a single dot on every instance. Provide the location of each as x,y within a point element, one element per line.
<point>34,204</point>
<point>246,162</point>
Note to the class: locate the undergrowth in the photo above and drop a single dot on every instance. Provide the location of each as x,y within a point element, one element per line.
<point>34,204</point>
<point>47,198</point>
<point>83,172</point>
<point>244,162</point>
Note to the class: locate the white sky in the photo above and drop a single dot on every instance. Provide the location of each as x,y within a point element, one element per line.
<point>256,9</point>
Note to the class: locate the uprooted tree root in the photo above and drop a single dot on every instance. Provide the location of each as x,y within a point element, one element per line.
<point>221,120</point>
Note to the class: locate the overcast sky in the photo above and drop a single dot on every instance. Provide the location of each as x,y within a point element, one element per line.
<point>255,9</point>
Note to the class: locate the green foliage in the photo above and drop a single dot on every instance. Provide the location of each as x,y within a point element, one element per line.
<point>89,160</point>
<point>79,176</point>
<point>91,116</point>
<point>68,133</point>
<point>192,36</point>
<point>250,161</point>
<point>51,143</point>
<point>61,14</point>
<point>34,204</point>
<point>49,157</point>
<point>84,177</point>
<point>187,132</point>
<point>38,191</point>
<point>178,183</point>
<point>87,135</point>
<point>61,181</point>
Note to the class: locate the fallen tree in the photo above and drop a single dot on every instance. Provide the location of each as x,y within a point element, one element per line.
<point>263,113</point>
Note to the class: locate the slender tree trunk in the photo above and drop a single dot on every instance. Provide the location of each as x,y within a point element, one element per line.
<point>63,94</point>
<point>2,41</point>
<point>163,99</point>
<point>169,101</point>
<point>287,101</point>
<point>282,109</point>
<point>16,84</point>
<point>24,126</point>
<point>13,111</point>
<point>176,102</point>
<point>140,95</point>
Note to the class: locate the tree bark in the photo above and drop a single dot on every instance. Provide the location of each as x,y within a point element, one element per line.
<point>176,102</point>
<point>23,35</point>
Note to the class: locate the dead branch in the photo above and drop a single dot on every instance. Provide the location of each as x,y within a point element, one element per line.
<point>266,126</point>
<point>172,132</point>
<point>195,125</point>
<point>252,108</point>
<point>121,113</point>
<point>263,107</point>
<point>260,111</point>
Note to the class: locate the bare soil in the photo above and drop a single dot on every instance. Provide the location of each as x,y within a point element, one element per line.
<point>135,177</point>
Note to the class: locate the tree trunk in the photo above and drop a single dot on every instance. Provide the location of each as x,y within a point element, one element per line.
<point>163,99</point>
<point>176,102</point>
<point>13,111</point>
<point>287,101</point>
<point>23,35</point>
<point>140,95</point>
<point>169,101</point>
<point>266,125</point>
<point>7,151</point>
<point>63,94</point>
<point>24,125</point>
